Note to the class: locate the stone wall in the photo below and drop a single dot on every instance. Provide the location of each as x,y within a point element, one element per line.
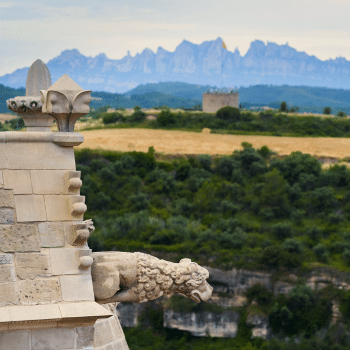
<point>212,102</point>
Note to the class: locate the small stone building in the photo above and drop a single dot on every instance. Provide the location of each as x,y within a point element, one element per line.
<point>212,102</point>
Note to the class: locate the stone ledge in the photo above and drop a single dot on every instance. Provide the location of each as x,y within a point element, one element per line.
<point>65,139</point>
<point>68,139</point>
<point>62,314</point>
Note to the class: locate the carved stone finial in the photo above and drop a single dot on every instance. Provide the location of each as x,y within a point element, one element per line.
<point>38,78</point>
<point>66,101</point>
<point>29,107</point>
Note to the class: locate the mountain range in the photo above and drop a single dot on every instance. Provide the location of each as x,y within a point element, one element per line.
<point>202,64</point>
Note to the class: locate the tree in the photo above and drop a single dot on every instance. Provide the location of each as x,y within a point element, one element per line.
<point>341,114</point>
<point>327,110</point>
<point>228,113</point>
<point>283,107</point>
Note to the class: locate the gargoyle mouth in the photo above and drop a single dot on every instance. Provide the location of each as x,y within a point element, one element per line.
<point>199,295</point>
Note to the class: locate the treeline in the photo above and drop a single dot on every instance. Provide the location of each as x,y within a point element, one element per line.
<point>251,209</point>
<point>237,122</point>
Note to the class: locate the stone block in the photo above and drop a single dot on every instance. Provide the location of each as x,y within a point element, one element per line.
<point>39,155</point>
<point>3,158</point>
<point>31,265</point>
<point>76,233</point>
<point>35,313</point>
<point>19,238</point>
<point>5,315</point>
<point>39,291</point>
<point>15,340</point>
<point>7,273</point>
<point>53,339</point>
<point>18,180</point>
<point>7,216</point>
<point>60,208</point>
<point>49,181</point>
<point>66,261</point>
<point>6,199</point>
<point>1,179</point>
<point>8,294</point>
<point>76,288</point>
<point>6,259</point>
<point>84,309</point>
<point>51,234</point>
<point>85,337</point>
<point>30,208</point>
<point>103,333</point>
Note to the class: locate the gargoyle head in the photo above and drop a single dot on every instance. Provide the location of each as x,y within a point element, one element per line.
<point>202,292</point>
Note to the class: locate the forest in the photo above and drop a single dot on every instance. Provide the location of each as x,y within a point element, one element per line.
<point>253,210</point>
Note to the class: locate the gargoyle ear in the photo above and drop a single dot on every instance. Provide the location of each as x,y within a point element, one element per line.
<point>185,261</point>
<point>193,267</point>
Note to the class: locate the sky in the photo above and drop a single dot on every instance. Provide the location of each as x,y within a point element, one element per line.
<point>45,28</point>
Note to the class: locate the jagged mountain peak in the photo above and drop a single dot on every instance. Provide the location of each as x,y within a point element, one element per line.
<point>204,64</point>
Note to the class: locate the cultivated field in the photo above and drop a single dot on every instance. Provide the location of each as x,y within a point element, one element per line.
<point>172,142</point>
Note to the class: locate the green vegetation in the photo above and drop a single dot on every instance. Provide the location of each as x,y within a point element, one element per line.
<point>327,110</point>
<point>13,124</point>
<point>267,123</point>
<point>251,209</point>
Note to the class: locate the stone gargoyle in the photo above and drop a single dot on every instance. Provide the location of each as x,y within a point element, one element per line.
<point>138,277</point>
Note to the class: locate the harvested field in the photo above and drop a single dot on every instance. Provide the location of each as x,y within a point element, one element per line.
<point>181,142</point>
<point>4,117</point>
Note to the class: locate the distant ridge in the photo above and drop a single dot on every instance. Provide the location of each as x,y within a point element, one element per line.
<point>196,64</point>
<point>177,95</point>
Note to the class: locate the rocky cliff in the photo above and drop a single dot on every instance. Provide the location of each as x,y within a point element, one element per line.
<point>229,293</point>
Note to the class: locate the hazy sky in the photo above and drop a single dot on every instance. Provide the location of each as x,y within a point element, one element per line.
<point>45,28</point>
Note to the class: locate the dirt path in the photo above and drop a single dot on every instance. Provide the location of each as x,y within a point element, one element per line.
<point>172,142</point>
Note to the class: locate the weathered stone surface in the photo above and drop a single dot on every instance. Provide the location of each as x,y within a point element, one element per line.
<point>66,261</point>
<point>39,155</point>
<point>76,288</point>
<point>1,179</point>
<point>31,265</point>
<point>38,78</point>
<point>7,216</point>
<point>85,337</point>
<point>260,325</point>
<point>18,180</point>
<point>203,323</point>
<point>7,273</point>
<point>19,238</point>
<point>30,208</point>
<point>6,199</point>
<point>15,340</point>
<point>39,291</point>
<point>3,158</point>
<point>51,234</point>
<point>8,294</point>
<point>6,259</point>
<point>49,181</point>
<point>53,339</point>
<point>59,208</point>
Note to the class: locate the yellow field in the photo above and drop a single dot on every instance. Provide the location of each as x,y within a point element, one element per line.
<point>173,142</point>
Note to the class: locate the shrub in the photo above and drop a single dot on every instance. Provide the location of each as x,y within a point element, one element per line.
<point>228,113</point>
<point>138,116</point>
<point>259,293</point>
<point>346,256</point>
<point>139,201</point>
<point>292,246</point>
<point>313,232</point>
<point>226,165</point>
<point>111,118</point>
<point>341,114</point>
<point>17,123</point>
<point>282,230</point>
<point>275,257</point>
<point>205,161</point>
<point>321,253</point>
<point>166,118</point>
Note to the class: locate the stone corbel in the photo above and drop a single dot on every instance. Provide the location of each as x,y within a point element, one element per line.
<point>138,277</point>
